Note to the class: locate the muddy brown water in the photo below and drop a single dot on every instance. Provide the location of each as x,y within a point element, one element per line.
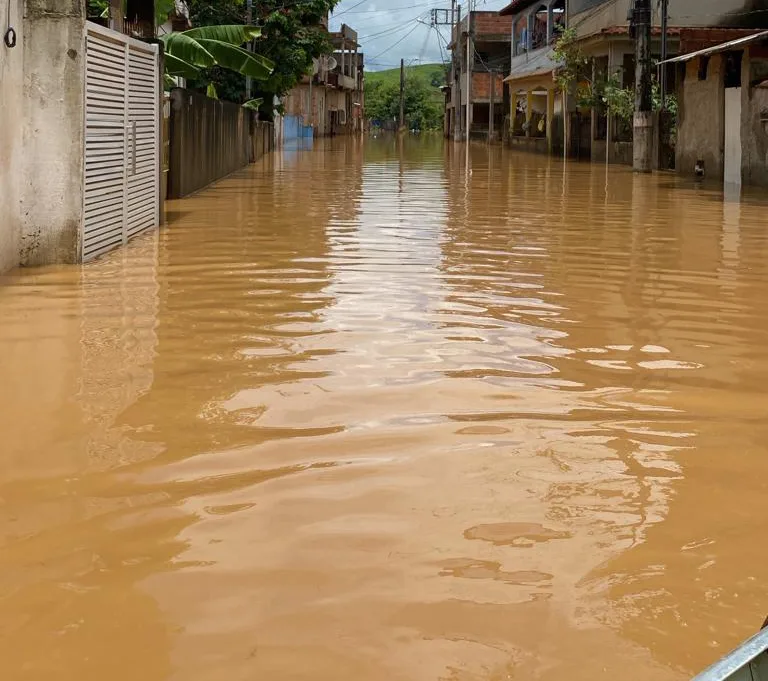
<point>366,413</point>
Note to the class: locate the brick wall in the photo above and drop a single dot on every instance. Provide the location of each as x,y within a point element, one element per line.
<point>491,24</point>
<point>481,86</point>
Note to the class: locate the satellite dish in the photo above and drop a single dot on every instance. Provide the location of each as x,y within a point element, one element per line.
<point>332,63</point>
<point>315,66</point>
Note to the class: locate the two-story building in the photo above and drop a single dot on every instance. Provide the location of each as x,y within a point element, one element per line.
<point>536,106</point>
<point>475,91</point>
<point>329,101</point>
<point>541,118</point>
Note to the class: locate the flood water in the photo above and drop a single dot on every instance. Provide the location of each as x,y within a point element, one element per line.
<point>369,413</point>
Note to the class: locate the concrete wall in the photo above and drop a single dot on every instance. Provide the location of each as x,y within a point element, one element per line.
<point>41,135</point>
<point>755,138</point>
<point>701,119</point>
<point>11,137</point>
<point>754,129</point>
<point>11,134</point>
<point>210,139</point>
<point>53,108</point>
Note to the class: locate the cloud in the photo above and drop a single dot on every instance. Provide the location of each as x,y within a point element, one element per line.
<point>389,30</point>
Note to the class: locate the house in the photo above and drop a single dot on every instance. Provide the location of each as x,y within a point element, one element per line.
<point>330,100</point>
<point>723,110</point>
<point>602,29</point>
<point>485,37</point>
<point>536,106</point>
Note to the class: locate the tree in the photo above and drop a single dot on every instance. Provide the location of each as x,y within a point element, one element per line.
<point>422,110</point>
<point>292,35</point>
<point>573,75</point>
<point>187,52</point>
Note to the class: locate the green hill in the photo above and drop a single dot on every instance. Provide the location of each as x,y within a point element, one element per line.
<point>430,74</point>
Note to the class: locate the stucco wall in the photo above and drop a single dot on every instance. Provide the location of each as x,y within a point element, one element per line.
<point>754,131</point>
<point>11,116</point>
<point>701,136</point>
<point>590,16</point>
<point>52,173</point>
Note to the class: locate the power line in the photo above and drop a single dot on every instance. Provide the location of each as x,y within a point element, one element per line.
<point>397,43</point>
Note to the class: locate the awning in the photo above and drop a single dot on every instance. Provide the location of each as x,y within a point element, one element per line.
<point>722,47</point>
<point>530,75</point>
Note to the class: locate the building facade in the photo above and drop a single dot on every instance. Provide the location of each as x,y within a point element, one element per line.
<point>723,109</point>
<point>474,93</point>
<point>331,100</point>
<point>544,119</point>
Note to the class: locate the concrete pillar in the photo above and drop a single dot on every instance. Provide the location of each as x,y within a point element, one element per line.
<point>11,136</point>
<point>53,113</point>
<point>512,110</point>
<point>550,22</point>
<point>116,12</point>
<point>514,36</point>
<point>615,63</point>
<point>528,111</point>
<point>550,116</point>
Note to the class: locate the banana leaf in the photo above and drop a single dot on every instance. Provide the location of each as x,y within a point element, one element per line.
<point>233,34</point>
<point>237,59</point>
<point>253,104</point>
<point>178,67</point>
<point>187,49</point>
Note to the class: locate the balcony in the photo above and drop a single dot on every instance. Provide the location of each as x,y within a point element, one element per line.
<point>346,83</point>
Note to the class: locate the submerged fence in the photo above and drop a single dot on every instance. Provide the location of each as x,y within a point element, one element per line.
<point>210,139</point>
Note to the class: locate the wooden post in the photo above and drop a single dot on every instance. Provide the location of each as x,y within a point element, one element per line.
<point>402,94</point>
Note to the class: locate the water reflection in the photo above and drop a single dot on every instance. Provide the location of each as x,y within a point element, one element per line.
<point>381,410</point>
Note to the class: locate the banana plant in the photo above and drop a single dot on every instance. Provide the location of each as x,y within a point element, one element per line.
<point>186,52</point>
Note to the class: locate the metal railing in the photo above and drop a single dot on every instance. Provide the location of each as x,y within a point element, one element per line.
<point>747,663</point>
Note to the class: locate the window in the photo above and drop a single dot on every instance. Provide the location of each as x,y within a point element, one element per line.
<point>703,67</point>
<point>732,68</point>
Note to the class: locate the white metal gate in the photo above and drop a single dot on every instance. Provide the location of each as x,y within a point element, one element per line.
<point>122,138</point>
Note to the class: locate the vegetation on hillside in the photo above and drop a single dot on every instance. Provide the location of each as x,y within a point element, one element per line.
<point>429,74</point>
<point>423,98</point>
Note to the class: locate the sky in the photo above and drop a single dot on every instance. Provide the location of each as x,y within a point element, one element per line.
<point>389,30</point>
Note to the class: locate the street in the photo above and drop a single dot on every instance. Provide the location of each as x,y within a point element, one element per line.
<point>386,410</point>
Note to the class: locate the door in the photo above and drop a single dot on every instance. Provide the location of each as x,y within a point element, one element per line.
<point>122,135</point>
<point>732,152</point>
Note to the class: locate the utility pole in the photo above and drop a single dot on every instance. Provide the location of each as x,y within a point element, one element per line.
<point>402,94</point>
<point>492,105</point>
<point>643,120</point>
<point>470,60</point>
<point>249,15</point>
<point>457,77</point>
<point>664,48</point>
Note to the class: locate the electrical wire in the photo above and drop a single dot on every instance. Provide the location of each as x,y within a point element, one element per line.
<point>393,45</point>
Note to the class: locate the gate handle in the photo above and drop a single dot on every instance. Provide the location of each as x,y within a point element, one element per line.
<point>133,162</point>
